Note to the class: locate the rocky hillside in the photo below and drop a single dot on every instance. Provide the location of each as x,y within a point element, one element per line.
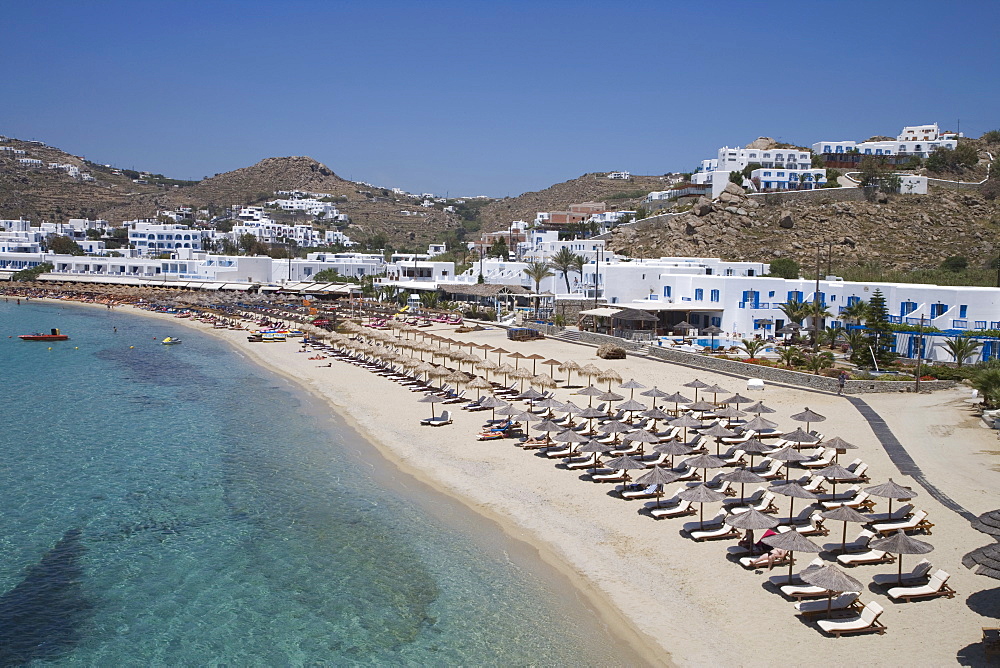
<point>42,194</point>
<point>900,232</point>
<point>595,187</point>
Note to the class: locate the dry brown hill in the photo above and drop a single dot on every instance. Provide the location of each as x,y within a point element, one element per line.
<point>902,232</point>
<point>594,187</point>
<point>41,194</point>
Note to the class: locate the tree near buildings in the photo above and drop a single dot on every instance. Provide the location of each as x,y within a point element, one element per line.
<point>784,267</point>
<point>538,272</point>
<point>856,312</point>
<point>62,245</point>
<point>499,249</point>
<point>877,176</point>
<point>881,338</point>
<point>564,261</point>
<point>962,347</point>
<point>795,310</point>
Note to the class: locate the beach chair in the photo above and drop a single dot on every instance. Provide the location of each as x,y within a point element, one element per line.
<point>936,586</point>
<point>754,497</point>
<point>848,601</point>
<point>440,421</point>
<point>647,492</point>
<point>719,532</point>
<point>917,576</point>
<point>764,505</point>
<point>861,502</point>
<point>612,476</point>
<point>815,527</point>
<point>867,620</point>
<point>773,471</point>
<point>859,544</point>
<point>899,514</point>
<point>918,522</point>
<point>863,558</point>
<point>841,497</point>
<point>680,510</point>
<point>782,580</point>
<point>824,460</point>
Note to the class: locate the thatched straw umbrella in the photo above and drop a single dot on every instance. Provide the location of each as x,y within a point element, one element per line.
<point>569,367</point>
<point>609,375</point>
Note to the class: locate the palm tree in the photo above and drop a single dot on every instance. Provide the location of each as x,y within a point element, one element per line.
<point>790,356</point>
<point>987,382</point>
<point>578,264</point>
<point>565,261</point>
<point>429,300</point>
<point>962,347</point>
<point>538,272</point>
<point>858,340</point>
<point>752,346</point>
<point>830,336</point>
<point>856,312</point>
<point>816,362</point>
<point>795,310</point>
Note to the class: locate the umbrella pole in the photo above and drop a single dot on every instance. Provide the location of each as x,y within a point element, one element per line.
<point>899,575</point>
<point>843,541</point>
<point>791,562</point>
<point>791,507</point>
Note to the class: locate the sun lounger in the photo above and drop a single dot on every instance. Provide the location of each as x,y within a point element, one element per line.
<point>815,526</point>
<point>680,510</point>
<point>613,476</point>
<point>825,460</point>
<point>782,580</point>
<point>936,586</point>
<point>897,515</point>
<point>859,544</point>
<point>586,462</point>
<point>799,592</point>
<point>917,576</point>
<point>648,492</point>
<point>918,522</point>
<point>765,505</point>
<point>869,557</point>
<point>862,502</point>
<point>866,621</point>
<point>838,604</point>
<point>719,532</point>
<point>441,420</point>
<point>711,528</point>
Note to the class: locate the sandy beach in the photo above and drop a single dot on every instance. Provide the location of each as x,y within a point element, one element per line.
<point>676,600</point>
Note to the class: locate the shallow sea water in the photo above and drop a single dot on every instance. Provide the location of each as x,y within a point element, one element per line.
<point>178,505</point>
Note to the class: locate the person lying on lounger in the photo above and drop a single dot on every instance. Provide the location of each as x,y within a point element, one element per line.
<point>775,556</point>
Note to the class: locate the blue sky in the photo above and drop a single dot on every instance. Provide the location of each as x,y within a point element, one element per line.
<point>475,97</point>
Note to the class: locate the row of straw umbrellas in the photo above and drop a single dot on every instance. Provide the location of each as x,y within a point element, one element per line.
<point>400,349</point>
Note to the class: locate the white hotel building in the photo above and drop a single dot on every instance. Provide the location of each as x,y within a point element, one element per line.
<point>918,140</point>
<point>792,163</point>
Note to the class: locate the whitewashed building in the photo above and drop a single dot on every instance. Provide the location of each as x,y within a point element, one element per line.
<point>917,140</point>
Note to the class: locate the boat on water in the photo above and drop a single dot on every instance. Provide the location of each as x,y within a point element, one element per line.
<point>55,335</point>
<point>170,341</point>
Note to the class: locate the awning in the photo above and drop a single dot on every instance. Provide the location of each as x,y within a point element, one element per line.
<point>666,306</point>
<point>267,288</point>
<point>604,312</point>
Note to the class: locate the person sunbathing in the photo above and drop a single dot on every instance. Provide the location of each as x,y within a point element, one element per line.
<point>775,556</point>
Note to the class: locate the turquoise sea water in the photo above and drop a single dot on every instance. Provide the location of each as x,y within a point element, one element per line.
<point>177,505</point>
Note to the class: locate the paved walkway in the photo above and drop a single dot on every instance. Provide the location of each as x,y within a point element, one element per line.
<point>901,458</point>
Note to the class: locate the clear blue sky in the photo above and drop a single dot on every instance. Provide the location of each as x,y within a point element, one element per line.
<point>484,97</point>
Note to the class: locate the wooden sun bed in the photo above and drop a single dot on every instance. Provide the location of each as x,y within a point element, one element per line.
<point>936,586</point>
<point>866,621</point>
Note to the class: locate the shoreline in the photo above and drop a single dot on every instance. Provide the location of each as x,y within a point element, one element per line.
<point>618,624</point>
<point>646,581</point>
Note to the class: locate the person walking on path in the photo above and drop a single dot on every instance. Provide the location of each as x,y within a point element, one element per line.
<point>841,382</point>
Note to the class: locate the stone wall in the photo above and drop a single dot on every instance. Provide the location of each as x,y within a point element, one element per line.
<point>569,308</point>
<point>788,377</point>
<point>821,196</point>
<point>766,373</point>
